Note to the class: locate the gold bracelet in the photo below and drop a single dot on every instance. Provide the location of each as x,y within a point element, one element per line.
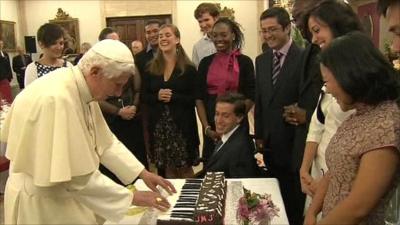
<point>132,188</point>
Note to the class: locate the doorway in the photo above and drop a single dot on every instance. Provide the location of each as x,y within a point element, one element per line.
<point>132,28</point>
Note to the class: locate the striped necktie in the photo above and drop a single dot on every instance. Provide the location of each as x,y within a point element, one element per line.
<point>218,146</point>
<point>276,67</point>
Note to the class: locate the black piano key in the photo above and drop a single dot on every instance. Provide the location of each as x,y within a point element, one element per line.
<point>191,186</point>
<point>180,215</point>
<point>183,211</point>
<point>185,206</point>
<point>195,181</point>
<point>187,200</point>
<point>190,192</point>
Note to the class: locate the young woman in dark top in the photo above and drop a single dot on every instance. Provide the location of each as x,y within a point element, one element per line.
<point>170,92</point>
<point>228,70</point>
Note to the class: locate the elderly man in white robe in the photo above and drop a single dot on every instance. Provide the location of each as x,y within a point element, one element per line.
<point>56,137</point>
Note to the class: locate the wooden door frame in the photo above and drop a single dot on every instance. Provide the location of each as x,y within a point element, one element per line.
<point>166,18</point>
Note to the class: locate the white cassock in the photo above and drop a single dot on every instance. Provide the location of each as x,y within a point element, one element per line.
<point>56,137</point>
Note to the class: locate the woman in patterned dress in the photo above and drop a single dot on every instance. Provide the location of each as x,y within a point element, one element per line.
<point>51,40</point>
<point>170,92</point>
<point>363,156</point>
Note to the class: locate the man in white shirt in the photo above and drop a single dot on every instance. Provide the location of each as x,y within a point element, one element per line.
<point>206,14</point>
<point>56,138</point>
<point>234,153</point>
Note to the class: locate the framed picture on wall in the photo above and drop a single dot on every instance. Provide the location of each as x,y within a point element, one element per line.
<point>7,34</point>
<point>71,38</point>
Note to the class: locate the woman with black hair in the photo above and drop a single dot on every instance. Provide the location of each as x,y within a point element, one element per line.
<point>323,22</point>
<point>363,156</point>
<point>227,70</point>
<point>51,40</point>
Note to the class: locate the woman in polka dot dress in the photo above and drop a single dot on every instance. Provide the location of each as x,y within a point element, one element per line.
<point>51,41</point>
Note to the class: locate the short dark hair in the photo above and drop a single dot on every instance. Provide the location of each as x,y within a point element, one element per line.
<point>235,28</point>
<point>153,21</point>
<point>106,31</point>
<point>49,33</point>
<point>383,5</point>
<point>361,69</point>
<point>339,16</point>
<point>279,13</point>
<point>206,7</point>
<point>236,99</point>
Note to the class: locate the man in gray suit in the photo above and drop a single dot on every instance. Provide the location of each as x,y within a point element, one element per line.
<point>277,83</point>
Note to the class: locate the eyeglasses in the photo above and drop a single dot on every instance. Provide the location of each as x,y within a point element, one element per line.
<point>270,30</point>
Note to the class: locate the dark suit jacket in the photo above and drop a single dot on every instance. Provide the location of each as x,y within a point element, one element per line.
<point>270,125</point>
<point>236,157</point>
<point>246,88</point>
<point>5,67</point>
<point>18,66</point>
<point>142,59</point>
<point>310,88</point>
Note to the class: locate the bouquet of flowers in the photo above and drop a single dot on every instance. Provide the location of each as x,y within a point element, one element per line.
<point>256,209</point>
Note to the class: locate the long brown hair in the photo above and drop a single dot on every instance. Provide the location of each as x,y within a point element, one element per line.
<point>157,65</point>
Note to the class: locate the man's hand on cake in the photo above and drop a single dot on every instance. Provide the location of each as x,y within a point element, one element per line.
<point>152,180</point>
<point>150,199</point>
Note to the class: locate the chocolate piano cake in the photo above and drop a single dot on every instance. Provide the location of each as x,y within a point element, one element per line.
<point>200,202</point>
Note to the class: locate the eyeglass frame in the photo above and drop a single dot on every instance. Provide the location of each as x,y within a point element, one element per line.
<point>271,30</point>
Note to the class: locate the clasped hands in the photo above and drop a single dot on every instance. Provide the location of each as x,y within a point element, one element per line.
<point>309,185</point>
<point>294,115</point>
<point>153,198</point>
<point>165,95</point>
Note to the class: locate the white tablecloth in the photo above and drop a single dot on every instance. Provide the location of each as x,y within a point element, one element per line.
<point>258,185</point>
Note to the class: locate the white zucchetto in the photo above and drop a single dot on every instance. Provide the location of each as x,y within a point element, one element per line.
<point>114,50</point>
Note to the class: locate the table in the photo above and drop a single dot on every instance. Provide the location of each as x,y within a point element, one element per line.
<point>258,185</point>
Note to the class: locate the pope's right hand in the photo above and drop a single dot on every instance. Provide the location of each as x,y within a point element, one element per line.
<point>150,199</point>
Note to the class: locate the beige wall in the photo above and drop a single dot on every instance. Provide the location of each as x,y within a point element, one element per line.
<point>246,14</point>
<point>92,14</point>
<point>9,11</point>
<point>88,13</point>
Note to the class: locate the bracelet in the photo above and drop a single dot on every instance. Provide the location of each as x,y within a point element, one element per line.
<point>206,129</point>
<point>131,188</point>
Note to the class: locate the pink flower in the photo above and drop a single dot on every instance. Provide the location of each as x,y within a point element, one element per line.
<point>262,208</point>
